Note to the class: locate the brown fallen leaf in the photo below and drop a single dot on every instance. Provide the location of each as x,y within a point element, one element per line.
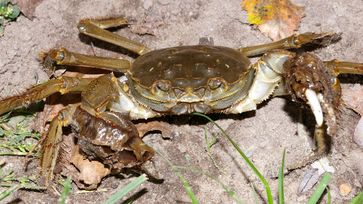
<point>275,18</point>
<point>90,172</point>
<point>163,127</point>
<point>27,7</point>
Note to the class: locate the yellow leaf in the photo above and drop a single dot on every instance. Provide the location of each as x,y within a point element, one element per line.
<point>257,13</point>
<point>275,18</point>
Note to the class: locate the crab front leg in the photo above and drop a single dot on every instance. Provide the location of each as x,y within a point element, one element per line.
<point>94,121</point>
<point>100,97</point>
<point>268,75</point>
<point>107,141</point>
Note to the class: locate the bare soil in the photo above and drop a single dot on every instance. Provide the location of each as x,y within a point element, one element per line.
<point>262,134</point>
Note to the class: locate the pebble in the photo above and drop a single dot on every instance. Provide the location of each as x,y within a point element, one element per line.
<point>358,133</point>
<point>147,4</point>
<point>164,2</point>
<point>345,189</point>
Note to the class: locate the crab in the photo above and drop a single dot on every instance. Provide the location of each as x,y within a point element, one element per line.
<point>175,81</point>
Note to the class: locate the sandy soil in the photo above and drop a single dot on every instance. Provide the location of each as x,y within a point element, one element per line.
<point>262,134</point>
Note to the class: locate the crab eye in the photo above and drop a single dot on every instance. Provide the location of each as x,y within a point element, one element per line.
<point>57,55</point>
<point>215,83</point>
<point>60,56</point>
<point>163,85</point>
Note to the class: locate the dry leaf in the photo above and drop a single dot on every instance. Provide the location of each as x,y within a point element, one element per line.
<point>275,18</point>
<point>90,172</point>
<point>163,127</point>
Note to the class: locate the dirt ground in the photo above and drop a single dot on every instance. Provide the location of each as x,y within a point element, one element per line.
<point>262,134</point>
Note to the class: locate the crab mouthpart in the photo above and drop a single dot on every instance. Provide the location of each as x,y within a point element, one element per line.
<point>315,106</point>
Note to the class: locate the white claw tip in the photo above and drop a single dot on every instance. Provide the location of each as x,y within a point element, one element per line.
<point>315,106</point>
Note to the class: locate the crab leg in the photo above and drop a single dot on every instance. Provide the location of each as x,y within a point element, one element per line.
<point>51,143</point>
<point>62,85</point>
<point>121,135</point>
<point>268,76</point>
<point>315,101</point>
<point>341,67</point>
<point>322,147</point>
<point>64,57</point>
<point>96,29</point>
<point>92,119</point>
<point>108,23</point>
<point>292,42</point>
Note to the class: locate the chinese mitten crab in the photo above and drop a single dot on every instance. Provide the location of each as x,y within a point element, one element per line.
<point>175,81</point>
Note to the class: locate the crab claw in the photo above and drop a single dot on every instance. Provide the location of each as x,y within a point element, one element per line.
<point>309,80</point>
<point>315,106</point>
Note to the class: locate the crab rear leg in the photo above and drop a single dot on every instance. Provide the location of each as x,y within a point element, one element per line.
<point>96,28</point>
<point>64,57</point>
<point>292,42</point>
<point>342,67</point>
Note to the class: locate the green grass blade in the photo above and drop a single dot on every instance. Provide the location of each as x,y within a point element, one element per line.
<point>67,188</point>
<point>231,192</point>
<point>187,188</point>
<point>329,196</point>
<point>9,191</point>
<point>125,190</point>
<point>315,197</point>
<point>185,183</point>
<point>357,199</point>
<point>281,180</point>
<point>247,160</point>
<point>209,144</point>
